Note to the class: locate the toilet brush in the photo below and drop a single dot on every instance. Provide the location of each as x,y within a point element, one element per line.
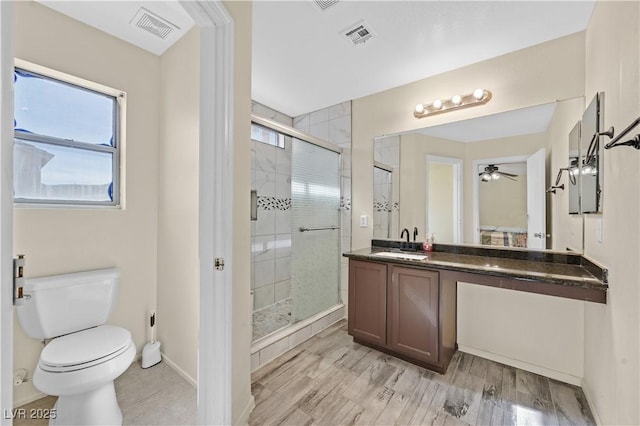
<point>151,351</point>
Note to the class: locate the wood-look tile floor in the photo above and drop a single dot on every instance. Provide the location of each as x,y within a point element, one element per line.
<point>153,396</point>
<point>330,380</point>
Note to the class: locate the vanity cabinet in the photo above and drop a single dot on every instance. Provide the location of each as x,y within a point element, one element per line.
<point>409,312</point>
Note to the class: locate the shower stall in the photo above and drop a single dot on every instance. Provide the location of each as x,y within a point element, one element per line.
<point>295,228</point>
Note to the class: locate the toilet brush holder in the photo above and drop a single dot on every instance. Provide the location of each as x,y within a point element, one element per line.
<point>151,354</point>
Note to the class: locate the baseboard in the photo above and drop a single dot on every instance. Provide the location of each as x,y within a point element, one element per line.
<point>179,370</point>
<point>243,419</point>
<point>543,371</point>
<point>29,399</point>
<point>587,393</point>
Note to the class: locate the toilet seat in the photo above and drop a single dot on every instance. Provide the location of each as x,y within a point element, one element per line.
<point>84,349</point>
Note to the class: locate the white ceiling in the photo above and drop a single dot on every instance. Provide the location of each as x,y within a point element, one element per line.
<point>525,121</point>
<point>301,62</point>
<point>115,18</point>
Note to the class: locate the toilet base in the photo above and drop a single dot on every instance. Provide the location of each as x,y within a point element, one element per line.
<point>96,407</point>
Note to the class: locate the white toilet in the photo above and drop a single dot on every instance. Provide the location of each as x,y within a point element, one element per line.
<point>84,356</point>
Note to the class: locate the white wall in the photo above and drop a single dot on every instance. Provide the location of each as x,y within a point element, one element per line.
<point>538,333</point>
<point>60,240</point>
<point>612,338</point>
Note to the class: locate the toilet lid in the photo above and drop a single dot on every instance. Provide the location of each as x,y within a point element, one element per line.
<point>84,348</point>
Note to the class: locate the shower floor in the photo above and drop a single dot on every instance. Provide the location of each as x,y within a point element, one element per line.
<point>271,318</point>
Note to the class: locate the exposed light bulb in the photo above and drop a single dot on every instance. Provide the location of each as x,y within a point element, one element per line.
<point>419,109</point>
<point>456,99</point>
<point>478,94</point>
<point>485,177</point>
<point>437,104</point>
<point>495,176</point>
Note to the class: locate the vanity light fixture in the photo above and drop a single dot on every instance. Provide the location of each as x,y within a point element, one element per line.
<point>475,98</point>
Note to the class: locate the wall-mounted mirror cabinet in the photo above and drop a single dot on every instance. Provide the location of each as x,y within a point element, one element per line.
<point>450,180</point>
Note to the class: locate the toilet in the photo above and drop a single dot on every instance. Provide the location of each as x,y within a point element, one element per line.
<point>84,356</point>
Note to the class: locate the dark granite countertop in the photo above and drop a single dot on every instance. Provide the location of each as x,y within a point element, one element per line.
<point>561,273</point>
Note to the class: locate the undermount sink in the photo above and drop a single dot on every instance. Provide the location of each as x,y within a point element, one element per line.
<point>401,255</point>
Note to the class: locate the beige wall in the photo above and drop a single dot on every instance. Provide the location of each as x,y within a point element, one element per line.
<point>440,201</point>
<point>612,347</point>
<point>241,309</point>
<point>60,240</point>
<point>503,202</point>
<point>532,76</point>
<point>178,278</point>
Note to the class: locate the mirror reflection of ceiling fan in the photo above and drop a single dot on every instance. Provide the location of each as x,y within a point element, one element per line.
<point>491,172</point>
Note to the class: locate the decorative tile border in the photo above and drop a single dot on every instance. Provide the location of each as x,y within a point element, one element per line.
<point>345,203</point>
<point>274,203</point>
<point>385,206</point>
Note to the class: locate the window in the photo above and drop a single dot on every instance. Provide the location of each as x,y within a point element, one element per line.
<point>67,139</point>
<point>268,136</point>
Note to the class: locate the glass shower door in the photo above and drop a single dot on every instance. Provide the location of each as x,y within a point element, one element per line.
<point>315,238</point>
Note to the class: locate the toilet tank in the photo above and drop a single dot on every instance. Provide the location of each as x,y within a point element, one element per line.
<point>62,304</point>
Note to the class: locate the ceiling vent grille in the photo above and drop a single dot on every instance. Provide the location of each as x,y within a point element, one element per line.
<point>325,4</point>
<point>358,33</point>
<point>152,23</point>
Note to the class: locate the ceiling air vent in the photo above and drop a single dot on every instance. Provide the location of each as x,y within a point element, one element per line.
<point>152,23</point>
<point>325,4</point>
<point>358,33</point>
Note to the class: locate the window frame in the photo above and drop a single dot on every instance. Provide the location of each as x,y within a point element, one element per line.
<point>117,149</point>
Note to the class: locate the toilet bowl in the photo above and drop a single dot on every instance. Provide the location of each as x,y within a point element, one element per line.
<point>84,357</point>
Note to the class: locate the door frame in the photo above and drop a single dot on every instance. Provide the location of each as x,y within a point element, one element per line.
<point>215,216</point>
<point>476,187</point>
<point>6,210</point>
<point>215,222</point>
<point>458,196</point>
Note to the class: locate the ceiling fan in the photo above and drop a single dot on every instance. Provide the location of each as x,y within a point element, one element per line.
<point>491,172</point>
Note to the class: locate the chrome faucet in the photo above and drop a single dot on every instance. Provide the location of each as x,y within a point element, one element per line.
<point>415,233</point>
<point>402,234</point>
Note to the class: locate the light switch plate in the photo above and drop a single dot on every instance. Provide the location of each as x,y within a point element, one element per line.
<point>364,221</point>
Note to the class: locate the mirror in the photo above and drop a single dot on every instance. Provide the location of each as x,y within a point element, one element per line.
<point>574,172</point>
<point>386,191</point>
<point>440,178</point>
<point>591,149</point>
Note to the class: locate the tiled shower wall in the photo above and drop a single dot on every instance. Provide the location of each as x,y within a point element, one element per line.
<point>333,124</point>
<point>271,233</point>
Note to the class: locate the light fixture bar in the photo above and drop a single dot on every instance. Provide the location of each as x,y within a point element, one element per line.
<point>438,106</point>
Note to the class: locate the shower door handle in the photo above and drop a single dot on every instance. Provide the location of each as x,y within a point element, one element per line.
<point>254,204</point>
<point>303,229</point>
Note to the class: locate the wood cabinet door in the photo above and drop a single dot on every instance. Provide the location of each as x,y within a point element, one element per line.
<point>367,318</point>
<point>413,321</point>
